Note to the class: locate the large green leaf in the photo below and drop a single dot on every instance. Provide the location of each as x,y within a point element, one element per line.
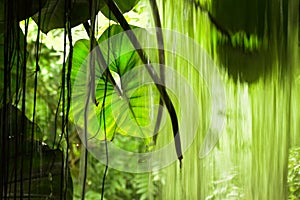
<point>124,7</point>
<point>54,12</point>
<point>120,63</point>
<point>132,110</point>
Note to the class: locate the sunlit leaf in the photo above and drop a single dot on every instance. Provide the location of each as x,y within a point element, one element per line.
<point>130,113</point>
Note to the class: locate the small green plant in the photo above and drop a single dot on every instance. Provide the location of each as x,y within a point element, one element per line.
<point>226,188</point>
<point>294,173</point>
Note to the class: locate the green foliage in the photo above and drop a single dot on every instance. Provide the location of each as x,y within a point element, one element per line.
<point>133,105</point>
<point>294,173</point>
<point>49,183</point>
<point>48,79</point>
<point>242,53</point>
<point>122,58</point>
<point>119,185</point>
<point>148,185</point>
<point>226,188</point>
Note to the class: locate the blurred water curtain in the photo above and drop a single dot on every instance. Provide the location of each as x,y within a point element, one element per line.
<point>255,45</point>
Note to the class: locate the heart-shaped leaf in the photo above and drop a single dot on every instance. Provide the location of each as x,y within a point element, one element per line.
<point>130,100</point>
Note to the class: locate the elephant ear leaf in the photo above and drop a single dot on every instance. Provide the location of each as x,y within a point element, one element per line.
<point>124,6</point>
<point>128,112</point>
<point>53,13</point>
<point>118,42</point>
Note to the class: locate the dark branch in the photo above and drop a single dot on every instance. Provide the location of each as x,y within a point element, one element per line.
<point>162,90</point>
<point>161,54</point>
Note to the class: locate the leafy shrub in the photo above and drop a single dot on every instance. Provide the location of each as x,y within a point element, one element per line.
<point>294,173</point>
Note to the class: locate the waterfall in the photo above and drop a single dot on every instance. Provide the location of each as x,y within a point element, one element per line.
<point>257,59</point>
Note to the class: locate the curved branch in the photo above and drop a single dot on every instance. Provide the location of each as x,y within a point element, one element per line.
<point>158,83</point>
<point>161,57</point>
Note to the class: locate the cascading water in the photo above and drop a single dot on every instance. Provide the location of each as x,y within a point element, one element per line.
<point>250,159</point>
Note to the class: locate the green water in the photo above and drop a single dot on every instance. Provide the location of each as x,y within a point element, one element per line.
<point>250,160</point>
